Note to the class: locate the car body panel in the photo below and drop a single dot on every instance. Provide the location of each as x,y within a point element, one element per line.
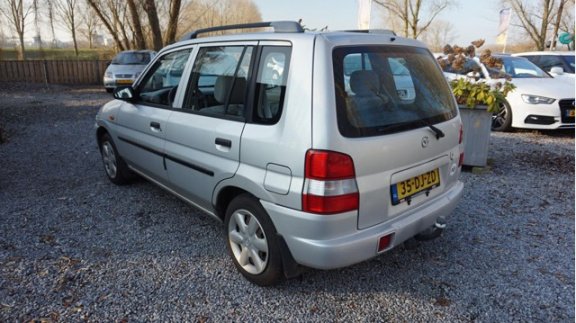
<point>202,158</point>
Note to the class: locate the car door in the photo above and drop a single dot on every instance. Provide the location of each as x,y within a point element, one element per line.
<point>143,121</point>
<point>203,139</point>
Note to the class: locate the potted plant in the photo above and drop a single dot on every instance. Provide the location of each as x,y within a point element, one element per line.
<point>478,100</point>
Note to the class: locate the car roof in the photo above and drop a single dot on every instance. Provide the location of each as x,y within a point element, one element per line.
<point>540,53</point>
<point>291,31</point>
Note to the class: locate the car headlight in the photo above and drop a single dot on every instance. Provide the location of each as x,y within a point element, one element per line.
<point>535,99</point>
<point>137,74</point>
<point>109,75</point>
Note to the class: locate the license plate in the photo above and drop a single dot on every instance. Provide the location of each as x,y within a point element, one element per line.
<point>403,190</point>
<point>570,113</point>
<point>127,82</point>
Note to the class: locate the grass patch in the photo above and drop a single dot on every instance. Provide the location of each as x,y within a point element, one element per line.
<point>7,54</point>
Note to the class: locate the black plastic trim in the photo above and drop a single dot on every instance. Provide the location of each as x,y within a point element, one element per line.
<point>171,158</point>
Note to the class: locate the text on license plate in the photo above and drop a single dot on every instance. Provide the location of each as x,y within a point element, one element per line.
<point>405,189</point>
<point>124,81</point>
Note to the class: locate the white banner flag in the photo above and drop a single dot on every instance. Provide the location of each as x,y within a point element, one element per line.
<point>364,12</point>
<point>505,15</point>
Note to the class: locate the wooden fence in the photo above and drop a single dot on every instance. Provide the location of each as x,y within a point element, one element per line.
<point>53,72</point>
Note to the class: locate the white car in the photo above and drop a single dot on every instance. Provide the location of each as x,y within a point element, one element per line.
<point>558,64</point>
<point>539,100</point>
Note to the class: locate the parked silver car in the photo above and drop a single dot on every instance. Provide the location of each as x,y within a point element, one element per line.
<point>125,68</point>
<point>316,164</point>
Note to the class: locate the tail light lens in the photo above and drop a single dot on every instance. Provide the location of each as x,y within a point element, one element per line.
<point>330,183</point>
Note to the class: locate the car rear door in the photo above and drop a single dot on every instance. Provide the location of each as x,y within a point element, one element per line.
<point>203,137</point>
<point>402,135</point>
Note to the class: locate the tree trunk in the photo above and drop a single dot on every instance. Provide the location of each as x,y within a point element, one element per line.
<point>173,22</point>
<point>75,42</point>
<point>138,34</point>
<point>557,25</point>
<point>22,50</point>
<point>150,8</point>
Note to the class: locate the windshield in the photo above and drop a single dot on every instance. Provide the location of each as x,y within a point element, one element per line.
<point>384,89</point>
<point>519,67</point>
<point>132,58</point>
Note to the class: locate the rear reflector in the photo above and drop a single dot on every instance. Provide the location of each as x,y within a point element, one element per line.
<point>384,242</point>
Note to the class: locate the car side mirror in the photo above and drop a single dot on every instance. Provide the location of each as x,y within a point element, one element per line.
<point>473,75</point>
<point>557,70</point>
<point>124,93</point>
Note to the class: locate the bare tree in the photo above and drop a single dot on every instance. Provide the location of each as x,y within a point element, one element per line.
<point>89,24</point>
<point>411,13</point>
<point>534,18</point>
<point>67,11</point>
<point>205,13</point>
<point>16,13</point>
<point>107,11</point>
<point>439,33</point>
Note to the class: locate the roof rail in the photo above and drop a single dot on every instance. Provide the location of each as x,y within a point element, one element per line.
<point>279,27</point>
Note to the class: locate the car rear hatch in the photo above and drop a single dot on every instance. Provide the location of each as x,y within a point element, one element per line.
<point>399,124</point>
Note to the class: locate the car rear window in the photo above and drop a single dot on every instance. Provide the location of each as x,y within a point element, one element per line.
<point>388,89</point>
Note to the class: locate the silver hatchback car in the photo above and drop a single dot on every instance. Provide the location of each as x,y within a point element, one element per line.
<point>315,149</point>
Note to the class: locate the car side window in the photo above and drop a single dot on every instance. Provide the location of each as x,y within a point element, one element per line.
<point>549,61</point>
<point>271,83</point>
<point>161,82</point>
<point>219,81</point>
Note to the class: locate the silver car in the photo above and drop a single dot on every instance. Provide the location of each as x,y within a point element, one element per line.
<point>125,68</point>
<point>318,164</point>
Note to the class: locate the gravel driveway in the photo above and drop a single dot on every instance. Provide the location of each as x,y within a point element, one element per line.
<point>75,247</point>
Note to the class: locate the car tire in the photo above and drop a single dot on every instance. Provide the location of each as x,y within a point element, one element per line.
<point>109,90</point>
<point>115,167</point>
<point>502,119</point>
<point>251,241</point>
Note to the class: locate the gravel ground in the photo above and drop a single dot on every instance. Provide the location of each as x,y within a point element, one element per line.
<point>75,247</point>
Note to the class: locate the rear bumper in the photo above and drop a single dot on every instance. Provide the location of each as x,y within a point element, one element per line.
<point>333,241</point>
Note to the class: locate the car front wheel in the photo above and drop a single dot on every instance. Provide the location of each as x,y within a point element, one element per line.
<point>252,241</point>
<point>502,119</point>
<point>115,167</point>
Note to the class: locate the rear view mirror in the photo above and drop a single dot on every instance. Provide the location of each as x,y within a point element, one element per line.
<point>125,93</point>
<point>557,70</point>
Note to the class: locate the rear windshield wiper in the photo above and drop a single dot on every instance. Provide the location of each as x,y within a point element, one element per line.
<point>439,133</point>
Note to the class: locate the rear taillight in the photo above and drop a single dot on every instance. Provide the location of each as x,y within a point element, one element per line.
<point>330,183</point>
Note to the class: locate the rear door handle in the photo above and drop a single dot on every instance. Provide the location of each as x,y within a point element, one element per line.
<point>224,142</point>
<point>155,126</point>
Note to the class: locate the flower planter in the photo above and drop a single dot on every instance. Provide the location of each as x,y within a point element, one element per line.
<point>477,124</point>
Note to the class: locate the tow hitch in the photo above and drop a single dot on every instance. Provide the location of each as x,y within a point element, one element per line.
<point>433,232</point>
